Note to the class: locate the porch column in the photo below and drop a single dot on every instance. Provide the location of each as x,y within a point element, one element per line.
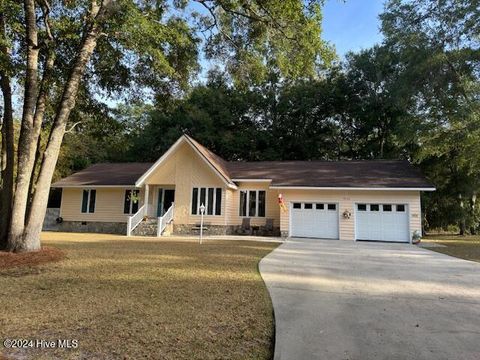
<point>147,188</point>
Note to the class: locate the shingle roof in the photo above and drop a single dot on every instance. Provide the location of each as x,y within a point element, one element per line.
<point>216,161</point>
<point>114,174</point>
<point>354,174</point>
<point>366,173</point>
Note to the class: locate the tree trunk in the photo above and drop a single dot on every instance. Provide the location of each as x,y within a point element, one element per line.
<point>27,141</point>
<point>33,177</point>
<point>474,224</point>
<point>38,121</point>
<point>462,223</point>
<point>8,148</point>
<point>50,156</point>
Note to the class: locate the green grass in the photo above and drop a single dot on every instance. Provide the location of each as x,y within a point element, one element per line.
<point>141,298</point>
<point>464,247</point>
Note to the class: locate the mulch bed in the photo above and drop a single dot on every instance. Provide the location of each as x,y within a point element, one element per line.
<point>47,254</point>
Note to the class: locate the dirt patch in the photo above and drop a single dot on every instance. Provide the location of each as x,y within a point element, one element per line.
<point>46,255</point>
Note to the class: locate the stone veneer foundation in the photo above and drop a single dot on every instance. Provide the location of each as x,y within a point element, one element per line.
<point>178,229</point>
<point>93,227</point>
<point>185,229</point>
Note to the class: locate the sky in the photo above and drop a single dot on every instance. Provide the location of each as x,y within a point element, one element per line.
<point>352,25</point>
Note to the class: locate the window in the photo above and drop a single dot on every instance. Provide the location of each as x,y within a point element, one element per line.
<point>243,203</point>
<point>308,206</point>
<point>362,207</point>
<point>194,201</point>
<point>252,203</point>
<point>332,206</point>
<point>203,195</point>
<point>130,205</point>
<point>88,201</point>
<point>319,206</point>
<point>218,201</point>
<point>387,207</point>
<point>261,203</point>
<point>400,208</point>
<point>210,201</point>
<point>374,207</point>
<point>211,198</point>
<point>297,205</point>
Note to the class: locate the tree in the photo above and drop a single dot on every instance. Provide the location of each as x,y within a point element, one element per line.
<point>216,114</point>
<point>439,50</point>
<point>60,50</point>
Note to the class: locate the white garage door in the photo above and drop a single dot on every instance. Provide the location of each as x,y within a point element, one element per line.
<point>314,220</point>
<point>382,222</point>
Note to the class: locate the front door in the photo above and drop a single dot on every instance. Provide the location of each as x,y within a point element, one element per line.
<point>165,199</point>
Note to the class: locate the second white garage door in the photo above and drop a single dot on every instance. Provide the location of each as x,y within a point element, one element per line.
<point>314,220</point>
<point>382,222</point>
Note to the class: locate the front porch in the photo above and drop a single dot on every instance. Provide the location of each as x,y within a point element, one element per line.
<point>156,212</point>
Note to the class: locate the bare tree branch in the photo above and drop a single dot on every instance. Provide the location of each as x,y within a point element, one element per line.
<point>73,127</point>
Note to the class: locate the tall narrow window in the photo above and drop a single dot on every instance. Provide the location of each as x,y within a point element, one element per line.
<point>252,203</point>
<point>135,201</point>
<point>127,202</point>
<point>261,203</point>
<point>130,204</point>
<point>88,201</point>
<point>218,201</point>
<point>203,195</point>
<point>243,203</point>
<point>209,204</point>
<point>211,198</point>
<point>194,201</point>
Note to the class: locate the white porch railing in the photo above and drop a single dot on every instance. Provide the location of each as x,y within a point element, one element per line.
<point>164,220</point>
<point>135,219</point>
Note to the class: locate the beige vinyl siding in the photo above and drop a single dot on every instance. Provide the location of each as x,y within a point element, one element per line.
<point>185,169</point>
<point>347,199</point>
<point>271,204</point>
<point>108,205</point>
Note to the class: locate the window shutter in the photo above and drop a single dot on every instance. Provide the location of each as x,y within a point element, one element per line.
<point>85,201</point>
<point>91,206</point>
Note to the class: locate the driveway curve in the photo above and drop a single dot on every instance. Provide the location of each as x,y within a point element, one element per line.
<point>358,300</point>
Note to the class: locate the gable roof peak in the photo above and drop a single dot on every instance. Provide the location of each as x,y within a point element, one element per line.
<point>217,164</point>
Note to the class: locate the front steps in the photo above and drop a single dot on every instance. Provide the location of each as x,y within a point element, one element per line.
<point>149,226</point>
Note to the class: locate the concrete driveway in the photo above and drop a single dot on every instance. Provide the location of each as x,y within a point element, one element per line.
<point>358,300</point>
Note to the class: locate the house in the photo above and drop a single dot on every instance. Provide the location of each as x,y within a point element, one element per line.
<point>346,200</point>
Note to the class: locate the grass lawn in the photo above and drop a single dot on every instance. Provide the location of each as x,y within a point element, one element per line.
<point>465,247</point>
<point>141,298</point>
